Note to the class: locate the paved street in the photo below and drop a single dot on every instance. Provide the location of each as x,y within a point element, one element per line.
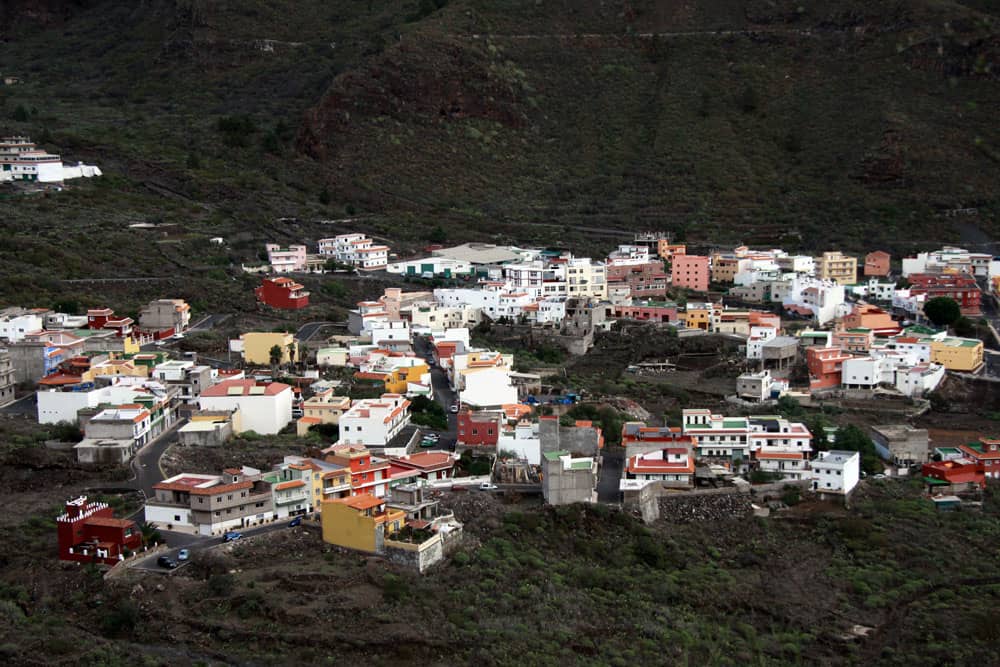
<point>146,464</point>
<point>611,473</point>
<point>443,393</point>
<point>307,331</point>
<point>26,405</point>
<point>199,543</point>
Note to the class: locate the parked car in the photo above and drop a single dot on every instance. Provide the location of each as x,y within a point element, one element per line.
<point>230,536</point>
<point>427,443</point>
<point>297,521</point>
<point>878,476</point>
<point>183,554</point>
<point>486,486</point>
<point>167,562</point>
<point>432,436</point>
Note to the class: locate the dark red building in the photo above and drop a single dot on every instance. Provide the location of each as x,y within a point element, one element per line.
<point>89,533</point>
<point>105,318</point>
<point>958,286</point>
<point>283,293</point>
<point>478,429</point>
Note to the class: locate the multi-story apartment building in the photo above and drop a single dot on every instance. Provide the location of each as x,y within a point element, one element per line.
<point>961,287</point>
<point>7,381</point>
<point>164,314</point>
<point>22,160</point>
<point>211,504</point>
<point>837,267</point>
<point>374,422</point>
<point>368,474</point>
<point>949,260</point>
<point>282,292</point>
<point>691,272</point>
<point>286,260</point>
<point>356,250</point>
<point>585,279</point>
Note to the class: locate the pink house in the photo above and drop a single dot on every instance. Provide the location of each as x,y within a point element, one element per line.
<point>690,271</point>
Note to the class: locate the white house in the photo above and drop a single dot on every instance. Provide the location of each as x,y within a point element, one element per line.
<point>918,380</point>
<point>836,472</point>
<point>266,408</point>
<point>865,372</point>
<point>778,432</point>
<point>487,388</point>
<point>429,315</point>
<point>14,325</point>
<point>759,334</point>
<point>431,267</point>
<point>522,441</point>
<point>674,465</point>
<point>56,406</point>
<point>384,333</point>
<point>789,463</point>
<point>357,250</point>
<point>374,422</point>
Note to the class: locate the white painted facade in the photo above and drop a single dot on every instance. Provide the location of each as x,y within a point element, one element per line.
<point>14,327</point>
<point>373,422</point>
<point>522,441</point>
<point>263,414</point>
<point>357,250</point>
<point>487,387</point>
<point>836,471</point>
<point>62,406</point>
<point>759,334</point>
<point>437,266</point>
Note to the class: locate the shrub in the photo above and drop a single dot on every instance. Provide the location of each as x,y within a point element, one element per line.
<point>121,619</point>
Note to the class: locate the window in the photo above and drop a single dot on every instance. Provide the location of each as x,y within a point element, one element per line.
<point>217,513</point>
<point>201,501</point>
<point>229,511</point>
<point>177,517</point>
<point>230,497</point>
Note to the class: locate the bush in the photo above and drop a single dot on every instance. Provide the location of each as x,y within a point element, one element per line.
<point>121,619</point>
<point>221,585</point>
<point>236,130</point>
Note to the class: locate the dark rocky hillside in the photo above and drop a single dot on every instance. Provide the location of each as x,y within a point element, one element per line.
<point>849,123</point>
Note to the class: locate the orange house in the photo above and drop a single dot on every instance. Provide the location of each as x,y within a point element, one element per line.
<point>825,365</point>
<point>867,316</point>
<point>877,263</point>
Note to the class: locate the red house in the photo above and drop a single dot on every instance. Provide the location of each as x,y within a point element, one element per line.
<point>690,271</point>
<point>282,293</point>
<point>478,429</point>
<point>877,263</point>
<point>954,475</point>
<point>89,533</point>
<point>104,318</point>
<point>958,286</point>
<point>649,311</point>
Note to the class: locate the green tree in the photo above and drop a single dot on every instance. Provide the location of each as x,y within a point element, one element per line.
<point>324,197</point>
<point>963,326</point>
<point>852,439</point>
<point>437,235</point>
<point>942,310</point>
<point>20,114</point>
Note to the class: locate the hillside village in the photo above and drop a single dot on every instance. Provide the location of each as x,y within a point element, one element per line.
<point>407,406</point>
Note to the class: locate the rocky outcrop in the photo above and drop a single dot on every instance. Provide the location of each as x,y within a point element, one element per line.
<point>691,508</point>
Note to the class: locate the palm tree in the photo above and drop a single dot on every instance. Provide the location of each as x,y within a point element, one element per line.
<point>291,354</point>
<point>150,533</point>
<point>275,354</point>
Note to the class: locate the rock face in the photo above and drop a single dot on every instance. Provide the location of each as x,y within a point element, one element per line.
<point>690,509</point>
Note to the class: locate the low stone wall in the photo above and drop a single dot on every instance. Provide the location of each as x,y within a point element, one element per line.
<point>59,445</point>
<point>688,509</point>
<point>418,556</point>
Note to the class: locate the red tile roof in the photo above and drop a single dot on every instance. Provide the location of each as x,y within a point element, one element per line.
<point>222,389</point>
<point>294,484</point>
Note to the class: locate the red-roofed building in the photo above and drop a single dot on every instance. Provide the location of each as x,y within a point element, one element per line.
<point>986,453</point>
<point>432,465</point>
<point>368,474</point>
<point>282,293</point>
<point>264,407</point>
<point>89,533</point>
<point>954,475</point>
<point>958,286</point>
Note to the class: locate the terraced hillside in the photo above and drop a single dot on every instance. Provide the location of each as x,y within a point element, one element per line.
<point>851,123</point>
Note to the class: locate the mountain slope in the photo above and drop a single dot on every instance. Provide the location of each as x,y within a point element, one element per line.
<point>551,122</point>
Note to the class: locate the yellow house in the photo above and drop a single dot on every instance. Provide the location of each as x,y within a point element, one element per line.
<point>397,380</point>
<point>323,408</point>
<point>697,316</point>
<point>359,522</point>
<point>957,354</point>
<point>257,347</point>
<point>115,368</point>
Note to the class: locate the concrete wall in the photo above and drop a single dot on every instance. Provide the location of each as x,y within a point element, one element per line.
<point>220,434</point>
<point>418,556</point>
<point>562,487</point>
